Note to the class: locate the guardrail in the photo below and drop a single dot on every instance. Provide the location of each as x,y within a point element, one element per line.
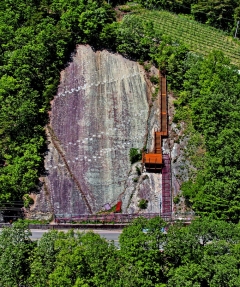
<point>104,221</point>
<point>120,217</point>
<point>107,218</point>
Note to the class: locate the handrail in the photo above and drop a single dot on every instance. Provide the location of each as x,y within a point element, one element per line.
<point>163,131</point>
<point>119,217</point>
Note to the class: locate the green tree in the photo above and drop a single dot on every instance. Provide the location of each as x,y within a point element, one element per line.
<point>142,263</point>
<point>135,38</point>
<point>73,259</point>
<point>197,255</point>
<point>212,95</point>
<point>215,13</point>
<point>170,57</point>
<point>15,250</point>
<point>134,155</point>
<point>42,260</point>
<point>37,38</point>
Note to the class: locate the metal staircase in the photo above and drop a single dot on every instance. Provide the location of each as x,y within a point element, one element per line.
<point>166,209</point>
<point>153,161</point>
<point>156,161</point>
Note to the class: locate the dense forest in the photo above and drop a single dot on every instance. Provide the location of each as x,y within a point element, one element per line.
<point>205,253</point>
<point>37,39</point>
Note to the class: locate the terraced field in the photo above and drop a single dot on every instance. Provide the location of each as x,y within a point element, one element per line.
<point>198,37</point>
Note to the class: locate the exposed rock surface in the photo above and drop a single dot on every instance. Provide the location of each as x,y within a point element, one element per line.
<point>147,186</point>
<point>103,108</point>
<point>151,189</point>
<point>99,113</point>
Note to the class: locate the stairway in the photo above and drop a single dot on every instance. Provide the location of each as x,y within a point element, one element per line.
<point>166,209</point>
<point>158,142</point>
<point>153,161</point>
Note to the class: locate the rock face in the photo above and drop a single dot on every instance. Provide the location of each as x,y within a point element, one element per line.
<point>100,111</point>
<point>147,186</point>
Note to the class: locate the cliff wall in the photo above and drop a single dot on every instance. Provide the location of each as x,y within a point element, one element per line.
<point>100,111</point>
<point>104,106</point>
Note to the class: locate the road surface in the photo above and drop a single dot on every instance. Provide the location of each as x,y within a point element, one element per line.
<point>107,234</point>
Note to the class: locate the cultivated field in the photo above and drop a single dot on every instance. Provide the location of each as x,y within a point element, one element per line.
<point>198,37</point>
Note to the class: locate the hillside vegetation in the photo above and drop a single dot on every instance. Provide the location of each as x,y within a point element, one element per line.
<point>210,102</point>
<point>207,88</point>
<point>203,254</point>
<point>197,37</point>
<point>37,40</point>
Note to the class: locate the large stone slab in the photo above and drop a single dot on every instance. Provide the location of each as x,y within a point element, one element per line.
<point>99,113</point>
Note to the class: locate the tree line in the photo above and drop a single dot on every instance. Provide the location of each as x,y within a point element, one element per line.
<point>205,253</point>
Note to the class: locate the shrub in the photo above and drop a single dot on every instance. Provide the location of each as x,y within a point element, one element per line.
<point>147,67</point>
<point>154,95</point>
<point>143,203</point>
<point>176,199</point>
<point>154,80</point>
<point>138,170</point>
<point>134,155</point>
<point>27,200</point>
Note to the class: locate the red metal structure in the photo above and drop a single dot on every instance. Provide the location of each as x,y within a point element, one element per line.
<point>118,206</point>
<point>154,161</point>
<point>112,217</point>
<point>105,218</point>
<point>157,161</point>
<point>166,208</point>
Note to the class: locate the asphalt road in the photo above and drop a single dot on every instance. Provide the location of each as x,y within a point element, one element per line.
<point>107,234</point>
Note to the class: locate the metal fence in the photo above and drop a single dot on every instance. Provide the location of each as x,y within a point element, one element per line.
<point>107,218</point>
<point>112,220</point>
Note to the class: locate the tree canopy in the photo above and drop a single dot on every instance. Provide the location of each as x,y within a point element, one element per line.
<point>211,94</point>
<point>205,253</point>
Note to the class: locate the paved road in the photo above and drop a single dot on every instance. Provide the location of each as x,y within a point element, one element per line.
<point>108,234</point>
